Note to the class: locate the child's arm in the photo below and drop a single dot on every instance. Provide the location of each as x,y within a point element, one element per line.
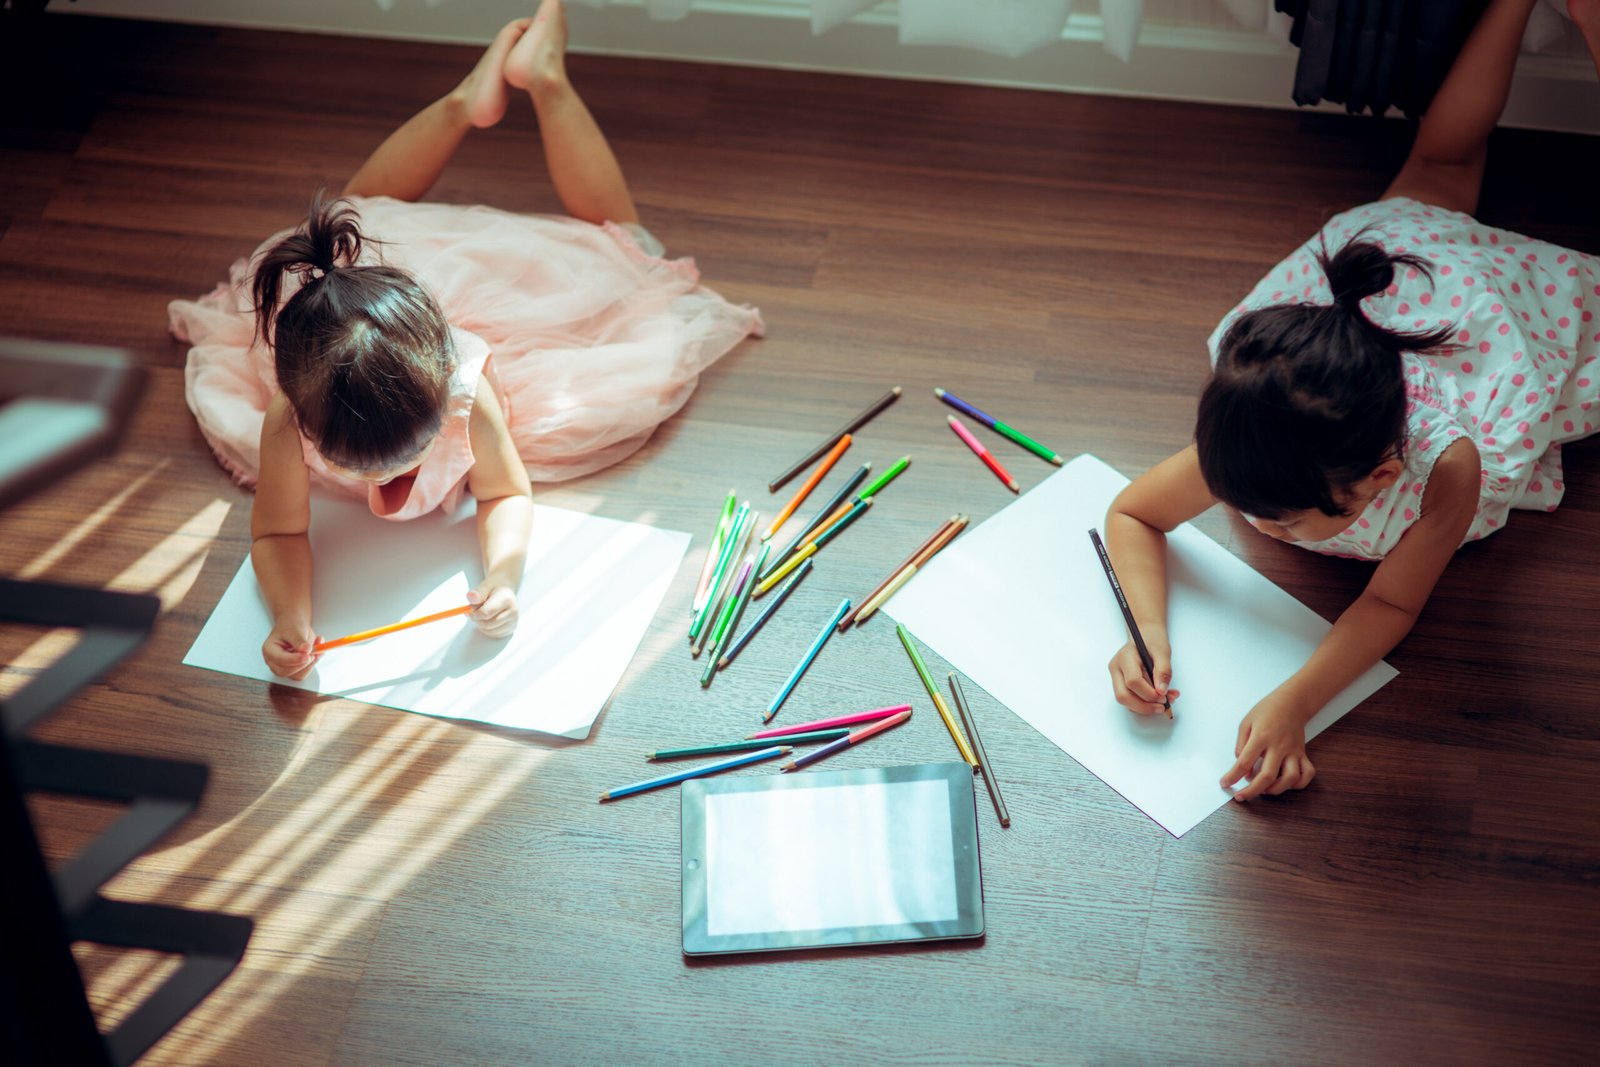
<point>499,481</point>
<point>1163,498</point>
<point>279,547</point>
<point>1274,730</point>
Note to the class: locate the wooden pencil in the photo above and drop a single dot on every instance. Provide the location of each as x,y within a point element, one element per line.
<point>828,442</point>
<point>734,649</point>
<point>820,517</point>
<point>910,571</point>
<point>393,627</point>
<point>977,747</point>
<point>811,483</point>
<point>844,623</point>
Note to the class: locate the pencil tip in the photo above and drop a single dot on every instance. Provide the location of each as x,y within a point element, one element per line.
<point>721,663</point>
<point>938,392</point>
<point>1013,486</point>
<point>1056,460</point>
<point>896,390</point>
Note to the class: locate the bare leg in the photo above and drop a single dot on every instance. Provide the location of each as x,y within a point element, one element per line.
<point>1445,167</point>
<point>1586,14</point>
<point>582,168</point>
<point>409,161</point>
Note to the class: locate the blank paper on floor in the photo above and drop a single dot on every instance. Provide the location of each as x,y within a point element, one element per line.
<point>1021,606</point>
<point>588,594</point>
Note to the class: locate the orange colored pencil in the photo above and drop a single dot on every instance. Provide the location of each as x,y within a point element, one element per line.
<point>365,635</point>
<point>811,483</point>
<point>822,528</point>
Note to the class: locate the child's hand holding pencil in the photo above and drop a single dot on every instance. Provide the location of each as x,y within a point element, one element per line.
<point>1135,689</point>
<point>290,649</point>
<point>494,609</point>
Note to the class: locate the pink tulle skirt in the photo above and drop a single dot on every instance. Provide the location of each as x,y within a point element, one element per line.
<point>595,339</point>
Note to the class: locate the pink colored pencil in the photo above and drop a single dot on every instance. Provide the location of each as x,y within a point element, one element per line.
<point>983,453</point>
<point>828,724</point>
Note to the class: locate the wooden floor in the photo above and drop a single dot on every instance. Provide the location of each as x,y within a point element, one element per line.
<point>432,893</point>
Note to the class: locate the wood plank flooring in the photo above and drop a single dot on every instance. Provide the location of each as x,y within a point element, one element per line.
<point>432,893</point>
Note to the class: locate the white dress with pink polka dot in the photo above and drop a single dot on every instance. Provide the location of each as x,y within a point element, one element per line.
<point>1521,377</point>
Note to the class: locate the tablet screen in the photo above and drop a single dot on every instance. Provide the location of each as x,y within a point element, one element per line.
<point>865,856</point>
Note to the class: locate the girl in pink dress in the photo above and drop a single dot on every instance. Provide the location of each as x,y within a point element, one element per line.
<point>454,350</point>
<point>1391,390</point>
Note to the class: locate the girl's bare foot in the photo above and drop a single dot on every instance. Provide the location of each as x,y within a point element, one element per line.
<point>1586,14</point>
<point>539,57</point>
<point>482,93</point>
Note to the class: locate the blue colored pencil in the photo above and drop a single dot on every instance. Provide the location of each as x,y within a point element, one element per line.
<point>811,654</point>
<point>783,591</point>
<point>816,520</point>
<point>696,772</point>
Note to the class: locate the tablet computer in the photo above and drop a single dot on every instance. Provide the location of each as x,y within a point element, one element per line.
<point>858,857</point>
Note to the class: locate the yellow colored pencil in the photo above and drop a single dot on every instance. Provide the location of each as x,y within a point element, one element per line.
<point>933,692</point>
<point>789,564</point>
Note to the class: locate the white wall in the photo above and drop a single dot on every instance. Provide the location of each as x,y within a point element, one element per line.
<point>1188,49</point>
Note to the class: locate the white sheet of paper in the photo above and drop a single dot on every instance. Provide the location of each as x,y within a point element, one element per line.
<point>1022,606</point>
<point>588,594</point>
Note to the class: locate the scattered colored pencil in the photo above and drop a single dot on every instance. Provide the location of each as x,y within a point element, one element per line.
<point>881,597</point>
<point>977,746</point>
<point>811,483</point>
<point>828,724</point>
<point>729,623</point>
<point>857,509</point>
<point>803,556</point>
<point>811,654</point>
<point>724,597</point>
<point>983,453</point>
<point>718,572</point>
<point>714,549</point>
<point>933,693</point>
<point>827,509</point>
<point>696,772</point>
<point>811,738</point>
<point>999,427</point>
<point>761,620</point>
<point>885,478</point>
<point>855,737</point>
<point>828,442</point>
<point>826,524</point>
<point>1145,659</point>
<point>844,623</point>
<point>393,627</point>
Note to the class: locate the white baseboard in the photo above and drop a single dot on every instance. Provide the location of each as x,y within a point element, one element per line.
<point>1201,63</point>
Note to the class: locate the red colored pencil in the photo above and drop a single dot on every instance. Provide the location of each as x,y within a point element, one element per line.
<point>983,453</point>
<point>846,741</point>
<point>828,724</point>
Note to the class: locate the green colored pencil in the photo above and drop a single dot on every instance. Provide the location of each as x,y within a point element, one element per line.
<point>714,549</point>
<point>811,738</point>
<point>933,691</point>
<point>720,572</point>
<point>730,618</point>
<point>885,478</point>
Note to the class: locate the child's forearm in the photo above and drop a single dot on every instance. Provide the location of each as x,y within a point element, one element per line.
<point>1362,636</point>
<point>504,525</point>
<point>1139,553</point>
<point>283,570</point>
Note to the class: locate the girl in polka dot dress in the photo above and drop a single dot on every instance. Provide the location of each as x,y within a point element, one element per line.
<point>1392,390</point>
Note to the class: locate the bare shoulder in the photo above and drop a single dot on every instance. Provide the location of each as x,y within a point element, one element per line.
<point>1453,486</point>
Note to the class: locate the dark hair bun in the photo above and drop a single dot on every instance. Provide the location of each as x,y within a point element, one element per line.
<point>1357,271</point>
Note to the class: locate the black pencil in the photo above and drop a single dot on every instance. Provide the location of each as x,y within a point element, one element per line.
<point>977,750</point>
<point>850,427</point>
<point>774,562</point>
<point>1127,614</point>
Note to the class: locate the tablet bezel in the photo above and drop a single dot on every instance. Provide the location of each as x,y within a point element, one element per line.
<point>968,872</point>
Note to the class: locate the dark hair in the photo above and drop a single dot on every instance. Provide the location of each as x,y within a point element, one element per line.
<point>362,353</point>
<point>1306,400</point>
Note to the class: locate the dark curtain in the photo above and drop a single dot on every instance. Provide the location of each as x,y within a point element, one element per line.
<point>1371,54</point>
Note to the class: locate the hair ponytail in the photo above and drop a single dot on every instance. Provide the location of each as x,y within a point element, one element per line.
<point>330,238</point>
<point>1307,400</point>
<point>363,353</point>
